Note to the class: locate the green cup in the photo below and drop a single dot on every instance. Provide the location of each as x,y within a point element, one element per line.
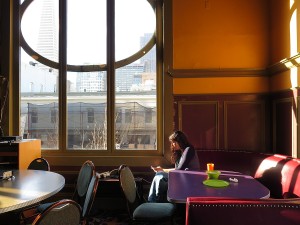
<point>213,174</point>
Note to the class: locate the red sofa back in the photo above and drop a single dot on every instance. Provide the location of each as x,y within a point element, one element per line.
<point>245,162</point>
<point>291,179</point>
<point>269,173</point>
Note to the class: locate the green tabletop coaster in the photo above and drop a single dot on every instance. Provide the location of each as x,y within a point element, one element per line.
<point>216,183</point>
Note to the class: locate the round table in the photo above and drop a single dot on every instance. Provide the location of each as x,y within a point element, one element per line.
<point>27,188</point>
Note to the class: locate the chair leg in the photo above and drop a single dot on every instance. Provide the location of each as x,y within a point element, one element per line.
<point>28,216</point>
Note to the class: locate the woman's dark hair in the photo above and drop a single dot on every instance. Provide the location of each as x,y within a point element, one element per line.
<point>183,143</point>
<point>180,138</point>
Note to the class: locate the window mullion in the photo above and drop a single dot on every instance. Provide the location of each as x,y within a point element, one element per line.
<point>62,131</point>
<point>159,71</point>
<point>110,74</point>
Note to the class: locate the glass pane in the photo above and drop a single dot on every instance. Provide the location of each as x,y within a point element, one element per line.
<point>86,32</point>
<point>39,92</point>
<point>135,84</point>
<point>87,102</point>
<point>40,28</point>
<point>39,103</point>
<point>135,107</point>
<point>138,20</point>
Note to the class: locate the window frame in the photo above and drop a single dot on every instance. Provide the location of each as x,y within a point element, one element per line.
<point>90,115</point>
<point>110,68</point>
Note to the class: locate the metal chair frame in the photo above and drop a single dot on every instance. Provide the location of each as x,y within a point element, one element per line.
<point>39,164</point>
<point>62,207</point>
<point>138,209</point>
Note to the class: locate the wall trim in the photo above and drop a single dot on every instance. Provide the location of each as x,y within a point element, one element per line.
<point>226,72</point>
<point>284,65</point>
<point>281,66</point>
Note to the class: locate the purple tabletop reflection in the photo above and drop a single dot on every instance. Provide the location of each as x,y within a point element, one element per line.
<point>183,184</point>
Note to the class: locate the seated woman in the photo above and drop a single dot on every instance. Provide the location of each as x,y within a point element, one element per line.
<point>183,156</point>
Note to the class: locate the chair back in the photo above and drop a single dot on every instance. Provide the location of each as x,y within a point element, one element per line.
<point>128,186</point>
<point>90,196</point>
<point>63,212</point>
<point>87,171</point>
<point>144,212</point>
<point>39,164</point>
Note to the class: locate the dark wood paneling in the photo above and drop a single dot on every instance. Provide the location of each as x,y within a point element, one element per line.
<point>284,118</point>
<point>237,121</point>
<point>244,125</point>
<point>198,119</point>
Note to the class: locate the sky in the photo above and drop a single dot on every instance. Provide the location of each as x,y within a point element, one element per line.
<point>87,37</point>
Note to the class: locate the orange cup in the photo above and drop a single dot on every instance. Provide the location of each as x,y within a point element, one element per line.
<point>210,167</point>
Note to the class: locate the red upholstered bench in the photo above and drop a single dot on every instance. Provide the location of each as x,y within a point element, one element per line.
<point>279,173</point>
<point>290,179</point>
<point>207,211</point>
<point>270,173</point>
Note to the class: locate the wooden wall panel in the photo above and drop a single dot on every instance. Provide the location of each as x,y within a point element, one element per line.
<point>244,125</point>
<point>284,117</point>
<point>225,121</point>
<point>199,120</point>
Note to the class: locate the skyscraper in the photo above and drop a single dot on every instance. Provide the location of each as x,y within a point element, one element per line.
<point>47,44</point>
<point>149,60</point>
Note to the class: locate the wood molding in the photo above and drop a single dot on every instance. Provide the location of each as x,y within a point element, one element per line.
<point>284,65</point>
<point>281,66</point>
<point>215,72</point>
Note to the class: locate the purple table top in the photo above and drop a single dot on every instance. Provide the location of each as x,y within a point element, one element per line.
<point>183,184</point>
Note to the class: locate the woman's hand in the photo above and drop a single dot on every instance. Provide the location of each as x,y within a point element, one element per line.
<point>157,168</point>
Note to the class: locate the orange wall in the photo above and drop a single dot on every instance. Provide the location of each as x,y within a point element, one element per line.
<point>221,85</point>
<point>282,28</point>
<point>285,80</point>
<point>246,34</point>
<point>221,34</point>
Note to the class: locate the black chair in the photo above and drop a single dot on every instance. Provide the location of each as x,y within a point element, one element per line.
<point>142,211</point>
<point>30,212</point>
<point>39,164</point>
<point>86,173</point>
<point>89,200</point>
<point>63,212</point>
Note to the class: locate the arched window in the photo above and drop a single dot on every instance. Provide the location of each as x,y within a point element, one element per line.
<point>99,56</point>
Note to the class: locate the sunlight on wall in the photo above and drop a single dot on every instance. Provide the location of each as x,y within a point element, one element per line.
<point>292,3</point>
<point>293,45</point>
<point>294,77</point>
<point>293,34</point>
<point>293,70</point>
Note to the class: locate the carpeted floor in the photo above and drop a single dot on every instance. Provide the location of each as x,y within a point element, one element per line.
<point>122,218</point>
<point>110,218</point>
